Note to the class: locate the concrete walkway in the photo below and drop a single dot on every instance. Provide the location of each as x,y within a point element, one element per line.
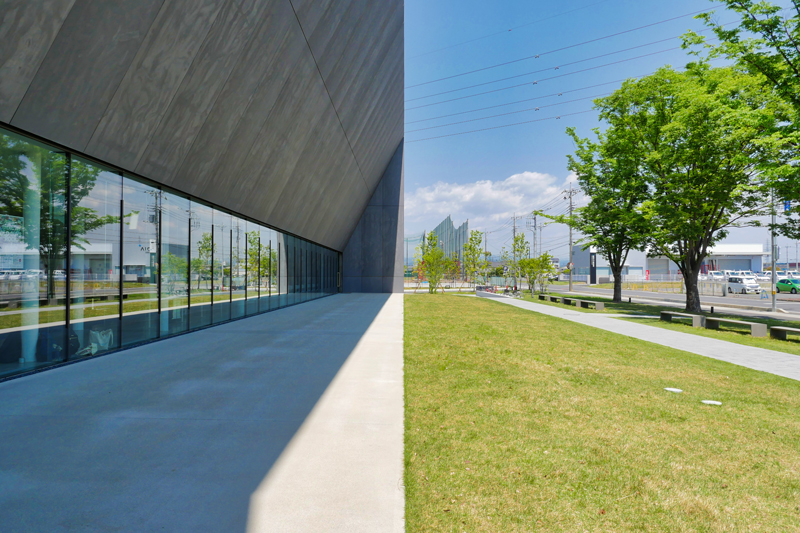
<point>287,421</point>
<point>778,363</point>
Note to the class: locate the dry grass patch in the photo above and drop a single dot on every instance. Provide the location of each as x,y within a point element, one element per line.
<point>517,421</point>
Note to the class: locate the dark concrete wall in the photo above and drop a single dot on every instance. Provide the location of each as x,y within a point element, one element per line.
<point>287,111</point>
<point>373,258</point>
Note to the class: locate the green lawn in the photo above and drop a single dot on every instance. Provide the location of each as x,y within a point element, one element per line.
<point>739,335</point>
<point>517,421</point>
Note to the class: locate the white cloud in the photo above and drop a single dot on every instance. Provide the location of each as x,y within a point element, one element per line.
<point>485,203</point>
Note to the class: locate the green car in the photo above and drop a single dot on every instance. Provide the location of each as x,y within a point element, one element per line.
<point>789,285</point>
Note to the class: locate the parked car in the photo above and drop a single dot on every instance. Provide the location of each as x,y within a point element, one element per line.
<point>743,285</point>
<point>11,275</point>
<point>59,275</point>
<point>763,276</point>
<point>788,285</point>
<point>33,273</point>
<point>716,275</point>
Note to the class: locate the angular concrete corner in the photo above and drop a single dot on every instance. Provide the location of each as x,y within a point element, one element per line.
<point>373,258</point>
<point>343,470</point>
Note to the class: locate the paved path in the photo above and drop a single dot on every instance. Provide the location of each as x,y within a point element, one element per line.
<point>287,421</point>
<point>779,363</point>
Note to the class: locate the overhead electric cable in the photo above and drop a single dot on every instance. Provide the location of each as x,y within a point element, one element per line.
<point>546,79</point>
<point>535,56</point>
<point>509,113</point>
<point>503,126</point>
<point>522,101</point>
<point>541,70</point>
<point>505,32</point>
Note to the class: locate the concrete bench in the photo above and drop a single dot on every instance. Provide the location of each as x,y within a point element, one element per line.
<point>586,304</point>
<point>543,297</point>
<point>698,321</point>
<point>756,329</point>
<point>571,301</point>
<point>556,299</point>
<point>780,332</point>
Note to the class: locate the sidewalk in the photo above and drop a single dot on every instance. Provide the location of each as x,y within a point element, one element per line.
<point>778,363</point>
<point>288,421</point>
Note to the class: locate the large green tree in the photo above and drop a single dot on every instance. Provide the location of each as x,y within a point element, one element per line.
<point>610,172</point>
<point>766,43</point>
<point>711,138</point>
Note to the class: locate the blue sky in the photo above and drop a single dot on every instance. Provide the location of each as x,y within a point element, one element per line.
<point>489,175</point>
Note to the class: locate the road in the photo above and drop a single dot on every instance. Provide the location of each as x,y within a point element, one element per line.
<point>787,302</point>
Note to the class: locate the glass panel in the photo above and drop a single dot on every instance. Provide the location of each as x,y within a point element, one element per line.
<point>175,260</point>
<point>32,255</point>
<point>238,268</point>
<point>253,268</point>
<point>221,310</point>
<point>201,224</point>
<point>142,204</point>
<point>94,259</point>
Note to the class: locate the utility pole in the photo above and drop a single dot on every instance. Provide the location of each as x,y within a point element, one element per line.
<point>485,256</point>
<point>570,194</point>
<point>514,251</point>
<point>773,254</point>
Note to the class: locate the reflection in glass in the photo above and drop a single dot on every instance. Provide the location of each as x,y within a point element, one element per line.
<point>201,284</point>
<point>223,233</point>
<point>238,270</point>
<point>175,261</point>
<point>33,249</point>
<point>94,259</point>
<point>140,262</point>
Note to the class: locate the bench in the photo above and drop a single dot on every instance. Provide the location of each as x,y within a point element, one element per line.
<point>756,329</point>
<point>698,321</point>
<point>780,332</point>
<point>556,299</point>
<point>598,306</point>
<point>543,297</point>
<point>571,301</point>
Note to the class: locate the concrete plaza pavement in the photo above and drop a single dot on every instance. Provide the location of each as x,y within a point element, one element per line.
<point>778,363</point>
<point>287,421</point>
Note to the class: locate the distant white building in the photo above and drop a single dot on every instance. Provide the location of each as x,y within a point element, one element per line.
<point>721,257</point>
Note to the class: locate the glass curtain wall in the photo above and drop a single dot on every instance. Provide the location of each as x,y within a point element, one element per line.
<point>94,260</point>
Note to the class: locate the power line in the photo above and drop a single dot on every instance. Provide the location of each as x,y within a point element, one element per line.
<point>505,32</point>
<point>535,56</point>
<point>503,126</point>
<point>544,69</point>
<point>519,101</point>
<point>546,79</point>
<point>509,113</point>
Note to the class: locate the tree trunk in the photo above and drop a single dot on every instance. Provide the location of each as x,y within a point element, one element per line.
<point>617,284</point>
<point>692,292</point>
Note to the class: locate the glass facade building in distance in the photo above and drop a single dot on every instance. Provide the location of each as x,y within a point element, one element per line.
<point>94,259</point>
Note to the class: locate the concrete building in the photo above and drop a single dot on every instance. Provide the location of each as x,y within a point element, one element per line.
<point>188,163</point>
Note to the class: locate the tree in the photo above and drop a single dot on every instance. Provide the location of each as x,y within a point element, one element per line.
<point>430,261</point>
<point>201,265</point>
<point>610,173</point>
<point>519,250</point>
<point>537,270</point>
<point>474,260</point>
<point>33,183</point>
<point>173,267</point>
<point>709,138</point>
<point>766,44</point>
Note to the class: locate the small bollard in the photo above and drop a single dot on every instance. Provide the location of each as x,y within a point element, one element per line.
<point>629,299</point>
<point>712,309</point>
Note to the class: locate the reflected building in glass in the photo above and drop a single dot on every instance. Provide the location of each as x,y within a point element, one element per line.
<point>176,182</point>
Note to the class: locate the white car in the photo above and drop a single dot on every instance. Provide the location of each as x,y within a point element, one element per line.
<point>11,275</point>
<point>763,276</point>
<point>743,285</point>
<point>716,275</point>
